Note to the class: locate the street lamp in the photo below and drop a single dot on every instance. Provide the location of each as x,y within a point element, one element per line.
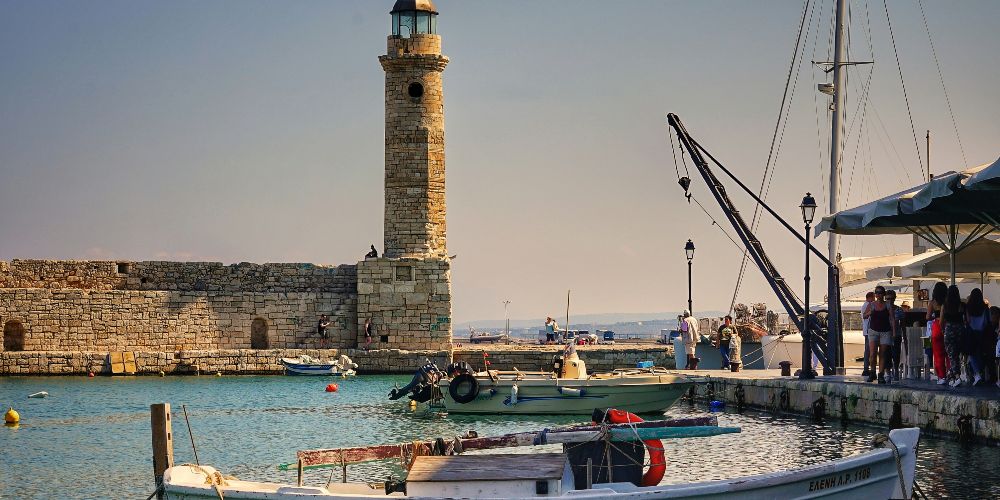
<point>808,207</point>
<point>506,316</point>
<point>689,251</point>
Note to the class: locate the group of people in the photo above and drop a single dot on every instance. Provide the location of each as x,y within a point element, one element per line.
<point>323,330</point>
<point>964,337</point>
<point>726,338</point>
<point>964,346</point>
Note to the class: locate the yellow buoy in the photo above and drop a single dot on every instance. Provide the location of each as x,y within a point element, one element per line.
<point>218,374</point>
<point>11,417</point>
<point>162,374</point>
<point>413,405</point>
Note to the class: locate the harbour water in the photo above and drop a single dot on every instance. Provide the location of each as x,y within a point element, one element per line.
<point>91,437</point>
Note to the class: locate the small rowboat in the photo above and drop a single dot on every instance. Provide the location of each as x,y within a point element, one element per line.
<point>307,365</point>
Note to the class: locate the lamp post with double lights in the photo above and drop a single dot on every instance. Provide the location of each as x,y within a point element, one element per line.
<point>808,207</point>
<point>689,251</point>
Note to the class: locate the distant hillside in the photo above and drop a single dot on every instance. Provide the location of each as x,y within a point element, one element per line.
<point>580,320</point>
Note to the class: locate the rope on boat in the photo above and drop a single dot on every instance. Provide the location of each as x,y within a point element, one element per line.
<point>881,439</point>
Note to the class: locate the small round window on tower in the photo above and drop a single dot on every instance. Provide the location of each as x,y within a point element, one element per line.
<point>416,90</point>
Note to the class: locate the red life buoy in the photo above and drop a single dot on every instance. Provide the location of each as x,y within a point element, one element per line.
<point>657,459</point>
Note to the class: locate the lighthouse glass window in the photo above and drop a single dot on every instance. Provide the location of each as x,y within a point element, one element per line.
<point>423,22</point>
<point>403,23</point>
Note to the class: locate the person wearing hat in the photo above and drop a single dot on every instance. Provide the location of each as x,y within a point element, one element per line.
<point>689,334</point>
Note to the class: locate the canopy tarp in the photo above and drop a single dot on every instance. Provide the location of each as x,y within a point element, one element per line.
<point>854,270</point>
<point>951,205</point>
<point>980,257</point>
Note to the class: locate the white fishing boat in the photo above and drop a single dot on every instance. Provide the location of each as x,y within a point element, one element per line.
<point>307,365</point>
<point>885,472</point>
<point>566,390</point>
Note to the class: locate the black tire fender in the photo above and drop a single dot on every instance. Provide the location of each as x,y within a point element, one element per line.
<point>463,380</point>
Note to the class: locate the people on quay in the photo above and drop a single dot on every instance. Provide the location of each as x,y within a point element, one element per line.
<point>869,300</point>
<point>898,323</point>
<point>689,334</point>
<point>369,333</point>
<point>936,332</point>
<point>881,330</point>
<point>953,322</point>
<point>550,330</point>
<point>977,342</point>
<point>323,329</point>
<point>724,334</point>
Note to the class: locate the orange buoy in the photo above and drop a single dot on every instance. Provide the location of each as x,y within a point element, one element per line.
<point>90,374</point>
<point>657,459</point>
<point>332,388</point>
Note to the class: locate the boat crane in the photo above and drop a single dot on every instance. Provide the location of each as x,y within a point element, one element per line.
<point>827,340</point>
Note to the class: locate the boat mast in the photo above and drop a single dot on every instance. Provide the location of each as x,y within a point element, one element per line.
<point>839,90</point>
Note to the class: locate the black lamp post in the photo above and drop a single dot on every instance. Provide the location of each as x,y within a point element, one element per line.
<point>689,251</point>
<point>808,207</point>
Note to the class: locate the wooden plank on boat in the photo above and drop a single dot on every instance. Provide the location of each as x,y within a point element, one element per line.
<point>359,454</point>
<point>530,466</point>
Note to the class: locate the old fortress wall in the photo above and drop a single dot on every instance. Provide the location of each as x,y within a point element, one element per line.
<point>172,306</point>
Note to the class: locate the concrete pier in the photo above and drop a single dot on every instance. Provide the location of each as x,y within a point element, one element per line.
<point>969,413</point>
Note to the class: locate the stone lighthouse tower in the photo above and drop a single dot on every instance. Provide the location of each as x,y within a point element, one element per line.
<point>407,292</point>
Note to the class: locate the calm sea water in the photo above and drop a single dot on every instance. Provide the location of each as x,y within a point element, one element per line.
<point>91,437</point>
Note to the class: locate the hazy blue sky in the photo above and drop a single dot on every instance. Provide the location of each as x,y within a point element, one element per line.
<point>252,131</point>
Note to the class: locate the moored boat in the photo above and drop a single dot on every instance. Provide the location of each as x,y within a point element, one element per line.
<point>307,365</point>
<point>885,472</point>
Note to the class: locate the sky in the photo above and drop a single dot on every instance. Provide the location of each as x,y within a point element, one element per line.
<point>247,130</point>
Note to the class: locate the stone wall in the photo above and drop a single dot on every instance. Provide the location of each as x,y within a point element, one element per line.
<point>408,300</point>
<point>124,320</point>
<point>227,362</point>
<point>176,276</point>
<point>934,412</point>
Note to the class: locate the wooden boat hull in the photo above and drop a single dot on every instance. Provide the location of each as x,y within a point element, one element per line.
<point>551,396</point>
<point>868,475</point>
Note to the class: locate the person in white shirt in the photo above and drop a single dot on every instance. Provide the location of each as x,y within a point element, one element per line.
<point>689,334</point>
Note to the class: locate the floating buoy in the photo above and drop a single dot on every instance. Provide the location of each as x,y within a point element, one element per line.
<point>716,405</point>
<point>90,374</point>
<point>11,417</point>
<point>332,388</point>
<point>37,395</point>
<point>162,374</point>
<point>218,374</point>
<point>413,404</point>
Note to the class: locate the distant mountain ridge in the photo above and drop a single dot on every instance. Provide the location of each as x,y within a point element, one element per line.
<point>580,319</point>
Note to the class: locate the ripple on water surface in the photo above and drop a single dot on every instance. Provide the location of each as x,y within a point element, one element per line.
<point>90,438</point>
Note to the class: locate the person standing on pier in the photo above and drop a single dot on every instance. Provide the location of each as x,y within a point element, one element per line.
<point>977,316</point>
<point>881,332</point>
<point>550,330</point>
<point>953,318</point>
<point>938,296</point>
<point>865,320</point>
<point>369,331</point>
<point>689,333</point>
<point>726,332</point>
<point>896,349</point>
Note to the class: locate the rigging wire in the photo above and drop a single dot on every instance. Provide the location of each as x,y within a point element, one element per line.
<point>782,117</point>
<point>947,99</point>
<point>916,143</point>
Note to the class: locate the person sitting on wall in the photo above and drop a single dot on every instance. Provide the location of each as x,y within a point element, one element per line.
<point>323,330</point>
<point>373,254</point>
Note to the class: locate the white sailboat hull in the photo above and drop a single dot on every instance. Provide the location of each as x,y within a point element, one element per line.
<point>789,348</point>
<point>868,475</point>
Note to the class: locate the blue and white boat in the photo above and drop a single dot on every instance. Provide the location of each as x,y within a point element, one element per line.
<point>307,365</point>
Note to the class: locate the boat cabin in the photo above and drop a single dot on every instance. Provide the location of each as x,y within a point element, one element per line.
<point>490,476</point>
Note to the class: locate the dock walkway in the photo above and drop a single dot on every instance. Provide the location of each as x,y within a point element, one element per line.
<point>970,413</point>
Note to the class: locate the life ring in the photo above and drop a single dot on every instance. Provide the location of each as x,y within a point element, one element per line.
<point>462,381</point>
<point>657,459</point>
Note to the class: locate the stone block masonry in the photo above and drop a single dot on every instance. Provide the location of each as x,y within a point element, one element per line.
<point>170,306</point>
<point>408,300</point>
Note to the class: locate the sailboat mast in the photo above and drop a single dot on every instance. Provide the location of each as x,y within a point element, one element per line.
<point>839,90</point>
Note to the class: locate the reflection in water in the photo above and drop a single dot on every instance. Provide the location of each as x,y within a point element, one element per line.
<point>98,429</point>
